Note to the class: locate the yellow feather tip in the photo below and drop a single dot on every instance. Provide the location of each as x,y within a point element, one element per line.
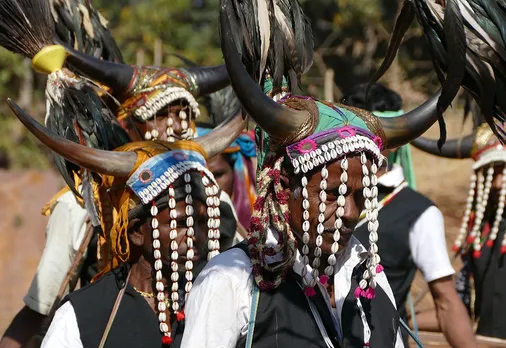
<point>50,59</point>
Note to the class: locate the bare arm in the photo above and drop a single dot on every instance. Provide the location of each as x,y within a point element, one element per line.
<point>25,324</point>
<point>427,321</point>
<point>451,313</point>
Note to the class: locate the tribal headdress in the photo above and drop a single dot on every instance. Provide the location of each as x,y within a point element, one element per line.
<point>303,135</point>
<point>486,151</point>
<point>146,172</point>
<point>145,91</point>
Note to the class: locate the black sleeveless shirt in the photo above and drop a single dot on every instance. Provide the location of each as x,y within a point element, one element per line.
<point>135,325</point>
<point>489,273</point>
<point>284,318</point>
<point>395,221</point>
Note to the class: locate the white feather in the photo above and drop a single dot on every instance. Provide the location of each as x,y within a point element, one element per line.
<point>285,26</point>
<point>264,28</point>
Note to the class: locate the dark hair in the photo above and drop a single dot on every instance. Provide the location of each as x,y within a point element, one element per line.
<point>380,98</point>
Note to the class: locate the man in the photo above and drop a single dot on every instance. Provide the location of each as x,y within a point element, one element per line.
<point>481,240</point>
<point>158,206</point>
<point>411,233</point>
<point>303,280</point>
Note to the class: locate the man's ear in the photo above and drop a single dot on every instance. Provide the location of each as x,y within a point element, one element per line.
<point>135,232</point>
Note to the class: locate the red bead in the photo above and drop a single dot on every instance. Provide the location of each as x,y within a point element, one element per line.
<point>166,340</point>
<point>503,249</point>
<point>490,243</point>
<point>477,254</point>
<point>470,240</point>
<point>455,248</point>
<point>180,316</point>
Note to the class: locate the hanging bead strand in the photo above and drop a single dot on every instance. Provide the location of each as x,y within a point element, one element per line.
<point>499,215</point>
<point>160,288</point>
<point>190,234</point>
<point>464,227</point>
<point>480,212</point>
<point>174,277</point>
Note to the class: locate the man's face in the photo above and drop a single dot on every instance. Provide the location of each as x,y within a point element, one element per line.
<point>168,116</point>
<point>199,239</point>
<point>354,204</point>
<point>223,173</point>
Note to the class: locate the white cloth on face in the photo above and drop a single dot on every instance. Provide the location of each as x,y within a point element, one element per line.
<point>427,241</point>
<point>63,331</point>
<point>218,307</point>
<point>65,231</point>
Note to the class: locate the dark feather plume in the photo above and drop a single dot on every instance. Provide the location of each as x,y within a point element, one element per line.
<point>284,30</point>
<point>75,110</point>
<point>467,39</point>
<point>80,25</point>
<point>25,26</point>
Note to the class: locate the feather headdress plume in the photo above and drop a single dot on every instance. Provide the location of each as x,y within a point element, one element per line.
<point>73,108</point>
<point>467,39</point>
<point>80,25</point>
<point>272,35</point>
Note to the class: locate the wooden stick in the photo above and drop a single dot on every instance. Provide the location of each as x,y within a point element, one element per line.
<point>72,272</point>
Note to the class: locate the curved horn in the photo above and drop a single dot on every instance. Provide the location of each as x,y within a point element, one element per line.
<point>455,148</point>
<point>209,79</point>
<point>217,140</point>
<point>117,76</point>
<point>104,162</point>
<point>402,129</point>
<point>278,121</point>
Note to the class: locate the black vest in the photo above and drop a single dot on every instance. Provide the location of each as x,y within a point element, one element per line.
<point>284,318</point>
<point>395,221</point>
<point>135,325</point>
<point>489,273</point>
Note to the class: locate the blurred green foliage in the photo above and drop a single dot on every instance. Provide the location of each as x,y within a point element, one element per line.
<point>350,37</point>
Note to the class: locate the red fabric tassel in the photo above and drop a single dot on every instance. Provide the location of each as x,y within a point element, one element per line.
<point>166,340</point>
<point>503,249</point>
<point>324,279</point>
<point>309,291</point>
<point>490,243</point>
<point>180,315</point>
<point>455,248</point>
<point>477,254</point>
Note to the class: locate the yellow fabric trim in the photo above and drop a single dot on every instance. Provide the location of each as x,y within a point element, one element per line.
<point>50,59</point>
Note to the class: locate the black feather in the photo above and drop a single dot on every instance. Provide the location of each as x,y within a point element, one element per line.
<point>402,24</point>
<point>288,55</point>
<point>25,26</point>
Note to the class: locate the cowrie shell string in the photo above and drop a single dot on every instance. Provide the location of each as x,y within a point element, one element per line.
<point>160,288</point>
<point>213,213</point>
<point>186,133</point>
<point>484,187</point>
<point>499,213</point>
<point>465,220</point>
